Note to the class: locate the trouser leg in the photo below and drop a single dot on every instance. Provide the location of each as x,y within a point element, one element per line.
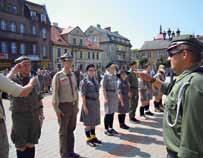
<point>4,146</point>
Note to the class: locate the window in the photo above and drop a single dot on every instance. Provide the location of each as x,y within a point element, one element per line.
<point>81,41</point>
<point>34,30</point>
<point>44,49</point>
<point>88,55</point>
<point>58,52</point>
<point>13,48</point>
<point>93,55</point>
<point>74,41</point>
<point>34,48</point>
<point>3,25</point>
<point>43,18</point>
<point>33,13</point>
<point>22,48</point>
<point>97,55</point>
<point>44,33</point>
<point>22,28</point>
<point>4,48</point>
<point>13,27</point>
<point>80,54</point>
<point>14,9</point>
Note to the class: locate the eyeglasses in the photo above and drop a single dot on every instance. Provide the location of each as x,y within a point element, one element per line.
<point>174,52</point>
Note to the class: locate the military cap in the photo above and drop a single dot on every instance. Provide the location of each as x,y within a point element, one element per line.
<point>109,64</point>
<point>66,57</point>
<point>21,58</point>
<point>186,40</point>
<point>132,63</point>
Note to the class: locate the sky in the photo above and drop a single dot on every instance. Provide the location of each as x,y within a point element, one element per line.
<point>137,20</point>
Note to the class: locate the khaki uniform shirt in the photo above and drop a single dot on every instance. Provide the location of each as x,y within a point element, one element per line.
<point>62,89</point>
<point>184,137</point>
<point>10,87</point>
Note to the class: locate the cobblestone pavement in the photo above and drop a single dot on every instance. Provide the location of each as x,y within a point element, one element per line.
<point>143,140</point>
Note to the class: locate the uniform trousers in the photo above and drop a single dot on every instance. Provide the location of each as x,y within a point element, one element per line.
<point>67,125</point>
<point>4,146</point>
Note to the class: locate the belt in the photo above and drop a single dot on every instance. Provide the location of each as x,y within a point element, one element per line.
<point>133,87</point>
<point>67,103</point>
<point>90,98</point>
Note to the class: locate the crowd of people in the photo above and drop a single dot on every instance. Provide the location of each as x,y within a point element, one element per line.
<point>121,90</point>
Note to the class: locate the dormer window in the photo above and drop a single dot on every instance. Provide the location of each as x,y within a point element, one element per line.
<point>43,18</point>
<point>33,13</point>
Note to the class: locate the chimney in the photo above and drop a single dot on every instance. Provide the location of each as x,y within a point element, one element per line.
<point>55,24</point>
<point>108,28</point>
<point>98,25</point>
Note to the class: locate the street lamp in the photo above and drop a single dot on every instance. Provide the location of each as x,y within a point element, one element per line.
<point>169,33</point>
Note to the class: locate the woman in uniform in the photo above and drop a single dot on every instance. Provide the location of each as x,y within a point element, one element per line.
<point>109,86</point>
<point>90,114</point>
<point>123,96</point>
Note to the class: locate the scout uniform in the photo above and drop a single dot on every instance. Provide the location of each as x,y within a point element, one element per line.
<point>90,89</point>
<point>182,126</point>
<point>14,89</point>
<point>65,100</point>
<point>133,81</point>
<point>123,88</point>
<point>109,85</point>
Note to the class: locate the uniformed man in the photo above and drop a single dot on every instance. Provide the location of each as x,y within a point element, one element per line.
<point>12,88</point>
<point>134,94</point>
<point>183,132</point>
<point>27,113</point>
<point>65,103</point>
<point>90,113</point>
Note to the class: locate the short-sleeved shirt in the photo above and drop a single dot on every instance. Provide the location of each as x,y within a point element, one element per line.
<point>10,87</point>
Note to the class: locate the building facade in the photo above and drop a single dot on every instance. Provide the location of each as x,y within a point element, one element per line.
<point>116,47</point>
<point>24,30</point>
<point>73,40</point>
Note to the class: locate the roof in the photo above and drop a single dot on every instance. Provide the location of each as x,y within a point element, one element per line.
<point>109,33</point>
<point>35,7</point>
<point>67,30</point>
<point>155,44</point>
<point>56,37</point>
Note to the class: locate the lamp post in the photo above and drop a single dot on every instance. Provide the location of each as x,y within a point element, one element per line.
<point>169,33</point>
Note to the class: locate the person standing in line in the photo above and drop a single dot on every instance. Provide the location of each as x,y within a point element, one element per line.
<point>12,88</point>
<point>109,85</point>
<point>65,103</point>
<point>90,114</point>
<point>123,96</point>
<point>145,94</point>
<point>134,93</point>
<point>157,92</point>
<point>182,121</point>
<point>27,113</point>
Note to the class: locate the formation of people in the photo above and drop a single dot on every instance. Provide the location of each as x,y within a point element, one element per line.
<point>121,91</point>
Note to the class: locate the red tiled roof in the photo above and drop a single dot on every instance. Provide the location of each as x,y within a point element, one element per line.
<point>56,37</point>
<point>159,37</point>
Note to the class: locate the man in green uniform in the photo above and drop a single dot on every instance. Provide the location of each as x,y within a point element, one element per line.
<point>182,125</point>
<point>133,80</point>
<point>12,88</point>
<point>27,113</point>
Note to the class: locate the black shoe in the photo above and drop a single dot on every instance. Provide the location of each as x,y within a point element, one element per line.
<point>97,141</point>
<point>108,133</point>
<point>73,155</point>
<point>91,143</point>
<point>114,132</point>
<point>124,126</point>
<point>134,120</point>
<point>149,113</point>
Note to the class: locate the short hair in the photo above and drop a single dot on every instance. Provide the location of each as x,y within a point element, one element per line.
<point>90,66</point>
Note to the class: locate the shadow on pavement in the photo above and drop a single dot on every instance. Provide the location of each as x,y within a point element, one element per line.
<point>146,131</point>
<point>140,139</point>
<point>122,150</point>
